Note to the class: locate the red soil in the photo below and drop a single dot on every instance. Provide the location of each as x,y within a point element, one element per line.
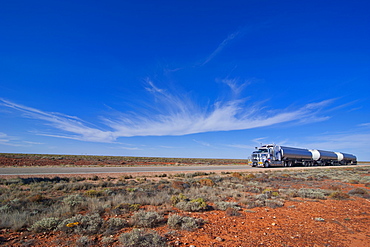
<point>300,222</point>
<point>345,223</point>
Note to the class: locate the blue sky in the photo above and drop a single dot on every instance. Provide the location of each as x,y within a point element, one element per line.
<point>209,79</point>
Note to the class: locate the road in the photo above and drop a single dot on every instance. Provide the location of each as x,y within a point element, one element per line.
<point>98,170</point>
<point>21,171</point>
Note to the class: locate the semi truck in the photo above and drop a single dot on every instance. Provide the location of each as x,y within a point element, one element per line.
<point>275,155</point>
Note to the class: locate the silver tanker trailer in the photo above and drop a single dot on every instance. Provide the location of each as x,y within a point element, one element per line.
<point>275,155</point>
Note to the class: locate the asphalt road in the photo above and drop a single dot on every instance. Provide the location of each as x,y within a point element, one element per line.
<point>4,171</point>
<point>97,170</point>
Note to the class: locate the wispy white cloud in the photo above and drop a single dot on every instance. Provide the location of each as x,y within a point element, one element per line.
<point>4,138</point>
<point>259,140</point>
<point>182,117</point>
<point>364,125</point>
<point>241,146</point>
<point>63,122</point>
<point>203,143</point>
<point>341,141</point>
<point>221,46</point>
<point>130,148</point>
<point>14,141</point>
<point>34,143</point>
<point>172,115</point>
<point>235,86</point>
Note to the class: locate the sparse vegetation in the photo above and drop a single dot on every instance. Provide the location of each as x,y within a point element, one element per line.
<point>146,219</point>
<point>176,221</point>
<point>339,195</point>
<point>225,205</point>
<point>82,224</point>
<point>192,205</point>
<point>361,192</point>
<point>141,238</point>
<point>45,224</point>
<point>112,207</point>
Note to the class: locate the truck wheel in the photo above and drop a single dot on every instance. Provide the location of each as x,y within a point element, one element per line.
<point>266,165</point>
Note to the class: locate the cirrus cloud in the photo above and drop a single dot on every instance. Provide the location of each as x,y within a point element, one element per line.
<point>173,115</point>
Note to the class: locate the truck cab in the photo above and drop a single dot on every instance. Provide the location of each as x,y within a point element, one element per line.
<point>262,156</point>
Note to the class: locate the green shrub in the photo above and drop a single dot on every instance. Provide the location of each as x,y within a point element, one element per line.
<point>192,206</point>
<point>177,199</point>
<point>113,225</point>
<point>84,241</point>
<point>262,197</point>
<point>15,220</point>
<point>93,193</point>
<point>107,241</point>
<point>74,200</point>
<point>140,238</point>
<point>116,223</point>
<point>127,207</point>
<point>82,224</point>
<point>146,219</point>
<point>225,205</point>
<point>184,223</point>
<point>45,224</point>
<point>311,193</point>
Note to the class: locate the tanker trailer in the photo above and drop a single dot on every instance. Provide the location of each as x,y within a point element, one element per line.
<point>327,158</point>
<point>348,159</point>
<point>292,156</point>
<point>274,155</point>
<point>332,158</point>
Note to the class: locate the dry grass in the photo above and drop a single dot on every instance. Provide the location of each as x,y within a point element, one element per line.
<point>109,205</point>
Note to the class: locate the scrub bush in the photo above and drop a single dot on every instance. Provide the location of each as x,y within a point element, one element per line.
<point>74,200</point>
<point>274,203</point>
<point>82,224</point>
<point>115,223</point>
<point>225,205</point>
<point>84,241</point>
<point>176,221</point>
<point>192,206</point>
<point>338,195</point>
<point>232,212</point>
<point>146,219</point>
<point>45,224</point>
<point>140,238</point>
<point>360,192</point>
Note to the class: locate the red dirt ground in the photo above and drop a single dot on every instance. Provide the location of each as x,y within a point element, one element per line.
<point>300,222</point>
<point>346,223</point>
